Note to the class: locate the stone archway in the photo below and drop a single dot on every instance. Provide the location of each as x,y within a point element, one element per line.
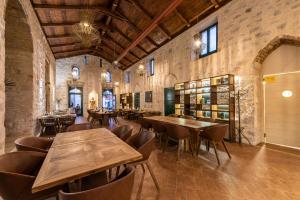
<point>258,80</point>
<point>274,44</point>
<point>18,74</point>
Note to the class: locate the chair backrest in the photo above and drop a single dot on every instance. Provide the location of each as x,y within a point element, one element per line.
<point>48,121</point>
<point>143,142</point>
<point>123,132</point>
<point>67,120</point>
<point>177,132</point>
<point>158,127</point>
<point>146,124</point>
<point>216,133</point>
<point>119,189</point>
<point>17,173</point>
<point>187,117</point>
<point>32,143</point>
<point>79,127</point>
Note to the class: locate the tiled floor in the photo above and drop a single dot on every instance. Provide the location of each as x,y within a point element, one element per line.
<point>253,173</point>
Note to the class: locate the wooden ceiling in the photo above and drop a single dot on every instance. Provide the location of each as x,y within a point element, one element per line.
<point>120,23</point>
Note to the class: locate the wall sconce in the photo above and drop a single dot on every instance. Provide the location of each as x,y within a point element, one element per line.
<point>287,93</point>
<point>117,84</point>
<point>141,70</point>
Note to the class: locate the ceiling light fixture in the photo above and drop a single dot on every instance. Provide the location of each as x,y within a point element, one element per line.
<point>287,93</point>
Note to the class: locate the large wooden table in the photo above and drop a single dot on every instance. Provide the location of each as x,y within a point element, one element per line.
<point>194,125</point>
<point>189,123</point>
<point>74,155</point>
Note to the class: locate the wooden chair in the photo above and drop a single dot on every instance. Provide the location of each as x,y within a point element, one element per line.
<point>160,130</point>
<point>79,127</point>
<point>143,142</point>
<point>18,171</point>
<point>114,117</point>
<point>118,189</point>
<point>96,117</point>
<point>145,124</point>
<point>32,143</point>
<point>215,135</point>
<point>65,122</point>
<point>123,132</point>
<point>177,133</point>
<point>49,125</point>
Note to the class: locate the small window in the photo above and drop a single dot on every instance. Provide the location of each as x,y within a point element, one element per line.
<point>75,73</point>
<point>108,77</point>
<point>127,77</point>
<point>209,40</point>
<point>151,67</point>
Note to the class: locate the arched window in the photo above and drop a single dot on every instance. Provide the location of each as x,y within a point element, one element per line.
<point>108,78</point>
<point>75,72</point>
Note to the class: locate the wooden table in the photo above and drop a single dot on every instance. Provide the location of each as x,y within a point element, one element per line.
<point>74,155</point>
<point>194,125</point>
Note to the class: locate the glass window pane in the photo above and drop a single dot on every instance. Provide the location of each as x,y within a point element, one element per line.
<point>204,42</point>
<point>213,39</point>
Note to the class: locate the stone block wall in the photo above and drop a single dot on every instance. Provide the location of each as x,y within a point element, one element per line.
<point>90,80</point>
<point>40,53</point>
<point>245,28</point>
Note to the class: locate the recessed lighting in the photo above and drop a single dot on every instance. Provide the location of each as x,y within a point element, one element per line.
<point>287,93</point>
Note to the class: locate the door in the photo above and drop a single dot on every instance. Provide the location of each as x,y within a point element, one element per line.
<point>108,99</point>
<point>169,94</point>
<point>282,109</point>
<point>76,100</point>
<point>137,104</point>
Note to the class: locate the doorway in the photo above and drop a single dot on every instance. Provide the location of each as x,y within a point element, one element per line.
<point>76,100</point>
<point>169,101</point>
<point>137,103</point>
<point>282,109</point>
<point>108,99</point>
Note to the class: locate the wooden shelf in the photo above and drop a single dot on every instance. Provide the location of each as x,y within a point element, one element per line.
<point>215,106</point>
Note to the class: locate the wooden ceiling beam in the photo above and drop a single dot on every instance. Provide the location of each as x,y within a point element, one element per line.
<point>184,20</point>
<point>65,44</point>
<point>147,14</point>
<point>215,3</point>
<point>104,44</point>
<point>137,29</point>
<point>129,39</point>
<point>98,24</point>
<point>95,8</point>
<point>122,47</point>
<point>169,9</point>
<point>112,10</point>
<point>202,13</point>
<point>100,54</point>
<point>60,36</point>
<point>70,51</point>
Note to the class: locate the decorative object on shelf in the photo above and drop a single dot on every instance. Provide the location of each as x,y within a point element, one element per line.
<point>85,30</point>
<point>141,70</point>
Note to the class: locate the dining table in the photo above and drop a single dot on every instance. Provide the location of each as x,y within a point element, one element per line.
<point>195,126</point>
<point>74,155</point>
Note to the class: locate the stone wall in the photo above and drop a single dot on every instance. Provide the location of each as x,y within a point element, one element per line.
<point>245,28</point>
<point>40,53</point>
<point>90,80</point>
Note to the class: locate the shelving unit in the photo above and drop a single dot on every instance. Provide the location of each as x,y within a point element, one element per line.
<point>126,100</point>
<point>209,99</point>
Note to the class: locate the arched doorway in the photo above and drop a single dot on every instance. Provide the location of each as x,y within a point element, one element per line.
<point>18,74</point>
<point>279,67</point>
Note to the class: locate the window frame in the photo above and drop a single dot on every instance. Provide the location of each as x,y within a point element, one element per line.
<point>208,29</point>
<point>151,67</point>
<point>127,77</point>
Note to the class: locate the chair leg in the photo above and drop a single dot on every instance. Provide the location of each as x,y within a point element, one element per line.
<point>207,145</point>
<point>118,171</point>
<point>215,148</point>
<point>166,143</point>
<point>226,149</point>
<point>152,175</point>
<point>179,148</point>
<point>109,174</point>
<point>199,147</point>
<point>143,168</point>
